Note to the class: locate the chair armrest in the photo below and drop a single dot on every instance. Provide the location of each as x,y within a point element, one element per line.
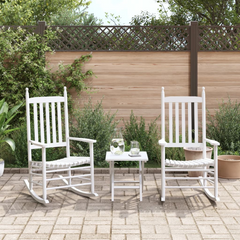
<point>38,143</point>
<point>212,142</point>
<point>162,142</point>
<point>87,140</point>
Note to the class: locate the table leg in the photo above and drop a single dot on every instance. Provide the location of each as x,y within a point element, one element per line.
<point>143,174</point>
<point>140,179</point>
<point>112,181</point>
<point>110,173</point>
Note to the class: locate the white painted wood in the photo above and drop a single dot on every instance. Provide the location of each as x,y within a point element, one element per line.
<point>51,137</point>
<point>48,133</point>
<point>182,99</point>
<point>177,122</point>
<point>46,99</point>
<point>196,122</point>
<point>189,123</point>
<point>53,123</point>
<point>193,165</point>
<point>111,158</point>
<point>183,124</point>
<point>170,123</point>
<point>35,121</point>
<point>42,123</point>
<point>59,117</point>
<point>163,113</point>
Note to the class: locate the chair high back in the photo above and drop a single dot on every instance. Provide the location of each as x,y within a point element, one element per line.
<point>49,119</point>
<point>179,115</point>
<point>50,123</point>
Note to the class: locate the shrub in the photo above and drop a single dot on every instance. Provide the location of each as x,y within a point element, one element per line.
<point>127,163</point>
<point>224,125</point>
<point>147,137</point>
<point>23,64</point>
<point>92,122</point>
<point>19,158</point>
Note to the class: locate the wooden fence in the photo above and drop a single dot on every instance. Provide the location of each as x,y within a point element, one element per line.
<point>129,81</point>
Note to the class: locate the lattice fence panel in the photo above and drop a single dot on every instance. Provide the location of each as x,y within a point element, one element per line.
<point>219,38</point>
<point>121,38</point>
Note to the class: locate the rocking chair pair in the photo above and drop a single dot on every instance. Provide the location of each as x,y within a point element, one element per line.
<point>181,136</point>
<point>49,123</point>
<point>48,118</point>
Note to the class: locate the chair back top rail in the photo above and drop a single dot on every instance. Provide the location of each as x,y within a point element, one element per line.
<point>46,99</point>
<point>189,99</point>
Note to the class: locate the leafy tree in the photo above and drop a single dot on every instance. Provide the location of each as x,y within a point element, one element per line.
<point>111,18</point>
<point>29,12</point>
<point>148,19</point>
<point>75,17</point>
<point>210,12</point>
<point>181,12</point>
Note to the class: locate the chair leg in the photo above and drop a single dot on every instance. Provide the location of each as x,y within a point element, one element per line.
<point>163,183</point>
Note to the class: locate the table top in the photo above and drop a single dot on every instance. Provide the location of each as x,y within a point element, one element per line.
<point>125,157</point>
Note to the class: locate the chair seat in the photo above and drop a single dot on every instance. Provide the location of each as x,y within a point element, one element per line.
<point>190,164</point>
<point>64,162</point>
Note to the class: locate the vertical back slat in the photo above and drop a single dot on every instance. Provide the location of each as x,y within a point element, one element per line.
<point>42,123</point>
<point>196,122</point>
<point>35,114</point>
<point>204,125</point>
<point>163,113</point>
<point>177,121</point>
<point>47,123</point>
<point>189,123</point>
<point>170,123</point>
<point>59,122</point>
<point>183,123</point>
<point>53,123</point>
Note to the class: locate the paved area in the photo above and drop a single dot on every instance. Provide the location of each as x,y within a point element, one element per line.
<point>186,214</point>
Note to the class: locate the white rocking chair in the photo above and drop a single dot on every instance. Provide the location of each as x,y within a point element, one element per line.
<point>48,117</point>
<point>210,175</point>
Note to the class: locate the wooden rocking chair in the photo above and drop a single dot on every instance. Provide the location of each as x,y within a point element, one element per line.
<point>47,116</point>
<point>210,175</point>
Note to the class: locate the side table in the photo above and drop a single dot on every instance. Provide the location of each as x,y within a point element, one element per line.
<point>111,158</point>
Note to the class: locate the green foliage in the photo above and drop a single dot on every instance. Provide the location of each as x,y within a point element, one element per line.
<point>19,157</point>
<point>92,122</point>
<point>146,18</point>
<point>174,153</point>
<point>23,64</point>
<point>6,116</point>
<point>111,18</point>
<point>76,17</point>
<point>127,163</point>
<point>147,136</point>
<point>181,12</point>
<point>211,12</point>
<point>231,151</point>
<point>29,12</point>
<point>224,125</point>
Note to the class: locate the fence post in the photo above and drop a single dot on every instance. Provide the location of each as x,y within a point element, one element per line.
<point>40,27</point>
<point>193,65</point>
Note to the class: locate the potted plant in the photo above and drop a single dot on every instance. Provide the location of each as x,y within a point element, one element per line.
<point>194,153</point>
<point>224,127</point>
<point>228,164</point>
<point>6,116</point>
